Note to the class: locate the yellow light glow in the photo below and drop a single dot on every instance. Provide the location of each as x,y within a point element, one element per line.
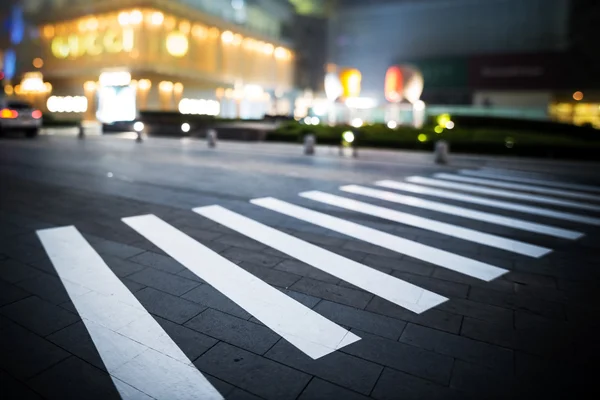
<point>281,53</point>
<point>165,86</point>
<point>443,119</point>
<point>177,44</point>
<point>199,31</point>
<point>136,17</point>
<point>128,40</point>
<point>48,31</point>
<point>170,23</point>
<point>38,62</point>
<point>9,90</point>
<point>438,129</point>
<point>18,91</point>
<point>157,18</point>
<point>422,137</point>
<point>227,37</point>
<point>214,32</point>
<point>89,86</point>
<point>220,92</point>
<point>47,87</point>
<point>229,93</point>
<point>123,18</point>
<point>178,88</point>
<point>237,39</point>
<point>578,96</point>
<point>144,84</point>
<point>92,24</point>
<point>185,27</point>
<point>348,137</point>
<point>268,49</point>
<point>357,122</point>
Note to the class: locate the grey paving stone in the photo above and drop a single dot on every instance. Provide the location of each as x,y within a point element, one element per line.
<point>348,252</point>
<point>76,340</point>
<point>222,387</point>
<point>302,269</point>
<point>191,342</point>
<point>368,248</point>
<point>518,302</point>
<point>334,293</point>
<point>211,297</point>
<point>109,247</point>
<point>254,257</point>
<point>483,382</point>
<point>478,310</point>
<point>239,394</point>
<point>394,385</point>
<point>439,286</point>
<point>168,306</point>
<point>308,301</point>
<point>499,285</point>
<point>319,389</point>
<point>433,318</point>
<point>236,331</point>
<point>158,261</point>
<point>459,347</point>
<point>13,271</point>
<point>38,315</point>
<point>77,379</point>
<point>377,324</point>
<point>163,281</point>
<point>11,388</point>
<point>536,341</point>
<point>320,240</point>
<point>24,354</point>
<point>271,276</point>
<point>121,267</point>
<point>530,279</point>
<point>10,293</point>
<point>238,240</point>
<point>351,372</point>
<point>187,274</point>
<point>47,287</point>
<point>132,285</point>
<point>258,375</point>
<point>426,364</point>
<point>399,264</point>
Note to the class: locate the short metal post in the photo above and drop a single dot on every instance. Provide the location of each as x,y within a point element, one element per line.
<point>81,134</point>
<point>442,150</point>
<point>309,144</point>
<point>211,138</point>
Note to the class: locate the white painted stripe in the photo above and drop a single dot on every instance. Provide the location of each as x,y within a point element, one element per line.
<point>470,235</point>
<point>302,327</point>
<point>133,346</point>
<point>413,249</point>
<point>501,193</point>
<point>383,285</point>
<point>518,186</point>
<point>489,202</point>
<point>514,223</point>
<point>564,185</point>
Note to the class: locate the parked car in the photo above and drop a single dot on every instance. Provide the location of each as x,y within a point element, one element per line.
<point>19,115</point>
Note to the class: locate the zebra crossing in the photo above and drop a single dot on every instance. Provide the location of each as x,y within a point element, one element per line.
<point>144,361</point>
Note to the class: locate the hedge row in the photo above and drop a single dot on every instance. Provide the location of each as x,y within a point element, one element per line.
<point>483,141</point>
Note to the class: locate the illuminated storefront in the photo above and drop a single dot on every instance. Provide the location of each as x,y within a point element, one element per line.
<point>145,59</point>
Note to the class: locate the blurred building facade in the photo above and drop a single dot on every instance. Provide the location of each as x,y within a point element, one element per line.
<point>216,57</point>
<point>493,54</point>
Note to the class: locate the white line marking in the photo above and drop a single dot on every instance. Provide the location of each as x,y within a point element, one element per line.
<point>489,202</point>
<point>308,331</point>
<point>383,285</point>
<point>133,346</point>
<point>501,193</point>
<point>518,186</point>
<point>430,254</point>
<point>506,177</point>
<point>464,212</point>
<point>443,228</point>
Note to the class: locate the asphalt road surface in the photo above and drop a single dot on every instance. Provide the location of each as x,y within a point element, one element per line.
<point>170,270</point>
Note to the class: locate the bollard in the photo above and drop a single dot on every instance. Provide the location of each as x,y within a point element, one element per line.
<point>81,134</point>
<point>309,144</point>
<point>441,152</point>
<point>211,138</point>
<point>138,127</point>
